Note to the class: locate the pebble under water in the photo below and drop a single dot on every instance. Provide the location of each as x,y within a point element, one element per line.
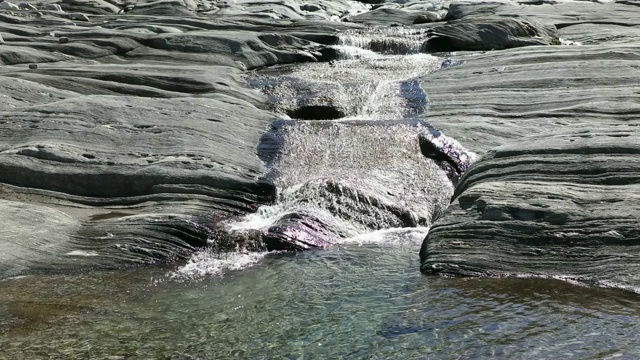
<point>363,298</point>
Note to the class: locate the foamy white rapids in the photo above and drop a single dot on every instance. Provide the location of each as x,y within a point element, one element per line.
<point>209,263</point>
<point>393,236</point>
<point>396,40</point>
<point>356,178</point>
<point>365,85</point>
<point>569,42</point>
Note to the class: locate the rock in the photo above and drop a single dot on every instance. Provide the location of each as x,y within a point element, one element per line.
<point>489,34</point>
<point>74,170</point>
<point>1,40</point>
<point>63,40</point>
<point>561,206</point>
<point>33,66</point>
<point>78,17</point>
<point>97,7</point>
<point>299,231</point>
<point>5,5</point>
<point>385,17</point>
<point>310,7</point>
<point>27,6</point>
<point>450,155</point>
<point>51,7</point>
<point>427,17</point>
<point>555,191</point>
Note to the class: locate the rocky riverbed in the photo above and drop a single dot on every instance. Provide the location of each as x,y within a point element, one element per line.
<point>135,132</point>
<point>150,149</point>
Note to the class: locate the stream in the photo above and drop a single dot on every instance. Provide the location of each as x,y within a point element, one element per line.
<point>355,190</point>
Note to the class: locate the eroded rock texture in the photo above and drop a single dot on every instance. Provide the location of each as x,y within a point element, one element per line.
<point>555,193</point>
<point>127,131</point>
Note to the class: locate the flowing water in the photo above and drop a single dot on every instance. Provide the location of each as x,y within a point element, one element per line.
<point>360,295</point>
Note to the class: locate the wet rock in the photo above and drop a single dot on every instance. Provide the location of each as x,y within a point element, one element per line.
<point>447,153</point>
<point>63,40</point>
<point>33,66</point>
<point>299,231</point>
<point>563,206</point>
<point>427,17</point>
<point>489,34</point>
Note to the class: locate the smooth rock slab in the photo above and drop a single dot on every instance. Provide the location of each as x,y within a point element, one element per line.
<point>490,34</point>
<point>563,206</point>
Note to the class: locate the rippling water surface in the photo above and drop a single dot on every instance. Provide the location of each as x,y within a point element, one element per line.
<point>363,298</point>
<point>356,301</point>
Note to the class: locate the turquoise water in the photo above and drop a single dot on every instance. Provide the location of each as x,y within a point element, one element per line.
<point>351,301</point>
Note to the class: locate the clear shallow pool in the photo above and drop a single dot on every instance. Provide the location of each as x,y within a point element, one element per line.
<point>351,301</point>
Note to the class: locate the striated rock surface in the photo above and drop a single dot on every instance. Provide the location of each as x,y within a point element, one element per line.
<point>489,34</point>
<point>125,139</point>
<point>555,193</point>
<point>561,206</point>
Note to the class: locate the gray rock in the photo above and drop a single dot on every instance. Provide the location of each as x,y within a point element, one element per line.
<point>385,17</point>
<point>556,190</point>
<point>97,7</point>
<point>179,160</point>
<point>51,7</point>
<point>310,7</point>
<point>490,34</point>
<point>27,6</point>
<point>1,40</point>
<point>5,5</point>
<point>78,17</point>
<point>33,66</point>
<point>63,40</point>
<point>427,17</point>
<point>562,206</point>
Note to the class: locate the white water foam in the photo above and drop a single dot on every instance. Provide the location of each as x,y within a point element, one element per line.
<point>365,85</point>
<point>208,263</point>
<point>390,237</point>
<point>397,40</point>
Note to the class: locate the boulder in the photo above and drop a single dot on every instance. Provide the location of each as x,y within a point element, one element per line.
<point>490,34</point>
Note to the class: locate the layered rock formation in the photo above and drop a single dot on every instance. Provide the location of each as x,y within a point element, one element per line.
<point>127,132</point>
<point>555,194</point>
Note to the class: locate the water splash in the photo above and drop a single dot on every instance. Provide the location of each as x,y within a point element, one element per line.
<point>365,86</point>
<point>347,179</point>
<point>396,40</point>
<point>210,263</point>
